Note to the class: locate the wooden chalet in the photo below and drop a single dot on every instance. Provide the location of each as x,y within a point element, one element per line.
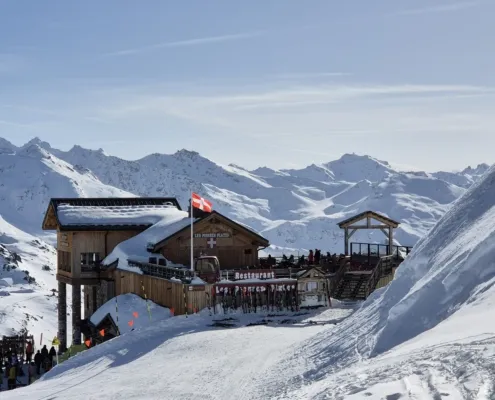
<point>89,229</point>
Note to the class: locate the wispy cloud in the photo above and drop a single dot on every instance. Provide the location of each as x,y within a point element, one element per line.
<point>311,75</point>
<point>451,7</point>
<point>187,42</point>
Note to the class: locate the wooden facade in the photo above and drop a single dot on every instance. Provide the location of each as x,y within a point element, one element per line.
<point>178,297</point>
<point>216,235</point>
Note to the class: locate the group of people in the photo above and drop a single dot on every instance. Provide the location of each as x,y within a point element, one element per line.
<point>19,362</point>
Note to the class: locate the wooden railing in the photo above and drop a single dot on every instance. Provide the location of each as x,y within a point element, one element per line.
<point>382,265</point>
<point>339,275</point>
<point>161,271</point>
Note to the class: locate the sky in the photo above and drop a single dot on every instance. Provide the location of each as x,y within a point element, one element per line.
<point>277,83</point>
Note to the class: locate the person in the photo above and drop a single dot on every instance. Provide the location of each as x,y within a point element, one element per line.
<point>38,359</point>
<point>311,257</point>
<point>317,256</point>
<point>44,352</point>
<point>52,356</point>
<point>12,377</point>
<point>31,372</point>
<point>29,352</point>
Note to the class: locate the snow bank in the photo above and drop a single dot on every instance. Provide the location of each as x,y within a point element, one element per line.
<point>444,276</point>
<point>115,215</point>
<point>171,220</point>
<point>128,304</point>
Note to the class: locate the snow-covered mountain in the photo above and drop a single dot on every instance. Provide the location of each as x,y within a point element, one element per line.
<point>430,334</point>
<point>28,288</point>
<point>292,208</point>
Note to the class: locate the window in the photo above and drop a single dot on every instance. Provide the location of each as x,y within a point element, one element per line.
<point>89,261</point>
<point>90,258</point>
<point>248,251</point>
<point>311,286</point>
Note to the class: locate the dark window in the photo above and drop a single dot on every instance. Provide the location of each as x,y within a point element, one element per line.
<point>89,261</point>
<point>248,251</point>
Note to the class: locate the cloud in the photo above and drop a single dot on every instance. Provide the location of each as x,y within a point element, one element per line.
<point>439,9</point>
<point>319,113</point>
<point>310,75</point>
<point>188,42</point>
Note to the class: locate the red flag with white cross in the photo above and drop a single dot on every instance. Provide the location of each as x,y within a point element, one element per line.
<point>201,203</point>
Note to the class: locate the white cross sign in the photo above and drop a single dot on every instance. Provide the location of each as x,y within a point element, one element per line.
<point>211,242</point>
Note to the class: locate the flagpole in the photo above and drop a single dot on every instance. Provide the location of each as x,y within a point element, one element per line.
<point>192,236</point>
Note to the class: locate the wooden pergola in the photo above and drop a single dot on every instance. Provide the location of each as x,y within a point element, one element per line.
<point>351,226</point>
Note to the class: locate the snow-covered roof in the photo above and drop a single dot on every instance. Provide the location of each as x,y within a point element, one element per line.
<point>128,305</point>
<point>171,220</point>
<point>113,215</point>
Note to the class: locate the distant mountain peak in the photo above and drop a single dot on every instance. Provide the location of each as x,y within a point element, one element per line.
<point>34,150</point>
<point>353,158</point>
<point>186,153</point>
<point>38,142</point>
<point>479,170</point>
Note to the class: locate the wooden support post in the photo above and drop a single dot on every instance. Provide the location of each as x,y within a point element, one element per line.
<point>390,240</point>
<point>62,315</point>
<point>346,241</point>
<point>76,313</point>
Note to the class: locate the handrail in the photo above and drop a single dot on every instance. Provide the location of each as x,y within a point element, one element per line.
<point>377,274</point>
<point>339,275</point>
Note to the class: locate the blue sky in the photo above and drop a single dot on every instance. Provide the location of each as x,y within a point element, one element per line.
<point>281,83</point>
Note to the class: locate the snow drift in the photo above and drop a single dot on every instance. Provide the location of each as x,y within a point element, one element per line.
<point>441,296</point>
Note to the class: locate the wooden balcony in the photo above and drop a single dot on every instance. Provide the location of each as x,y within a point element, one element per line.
<point>81,274</point>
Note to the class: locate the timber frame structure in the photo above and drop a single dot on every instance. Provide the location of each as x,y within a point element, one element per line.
<point>386,225</point>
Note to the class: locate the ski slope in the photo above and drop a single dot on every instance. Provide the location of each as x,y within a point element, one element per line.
<point>180,358</point>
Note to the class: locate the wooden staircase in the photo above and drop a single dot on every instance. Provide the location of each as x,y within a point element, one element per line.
<point>359,285</point>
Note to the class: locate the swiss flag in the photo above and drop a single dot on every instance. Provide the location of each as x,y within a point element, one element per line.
<point>201,203</point>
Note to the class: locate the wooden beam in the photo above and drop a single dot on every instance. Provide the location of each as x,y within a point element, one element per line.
<point>367,227</point>
<point>384,232</point>
<point>352,233</point>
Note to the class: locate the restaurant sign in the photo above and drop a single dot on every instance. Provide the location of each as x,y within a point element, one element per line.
<point>212,235</point>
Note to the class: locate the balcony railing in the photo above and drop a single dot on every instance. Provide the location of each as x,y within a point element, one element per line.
<point>89,268</point>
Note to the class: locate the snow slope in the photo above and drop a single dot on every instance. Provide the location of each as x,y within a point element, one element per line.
<point>180,358</point>
<point>28,297</point>
<point>31,176</point>
<point>430,331</point>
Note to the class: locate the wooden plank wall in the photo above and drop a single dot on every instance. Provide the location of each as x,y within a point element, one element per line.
<point>385,280</point>
<point>163,292</point>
